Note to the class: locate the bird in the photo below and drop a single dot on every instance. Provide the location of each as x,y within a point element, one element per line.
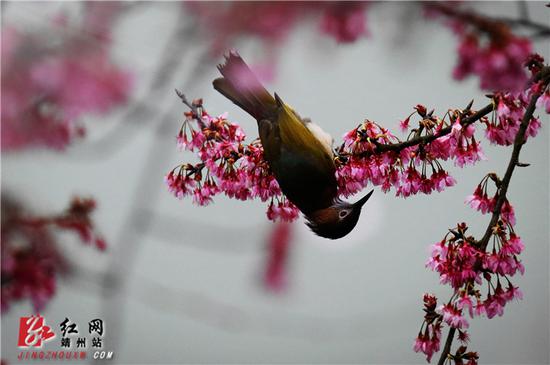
<point>298,152</point>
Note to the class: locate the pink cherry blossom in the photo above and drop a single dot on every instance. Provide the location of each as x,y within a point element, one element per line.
<point>480,201</point>
<point>429,338</point>
<point>487,48</point>
<point>509,113</point>
<point>428,345</point>
<point>507,213</point>
<point>44,96</point>
<point>494,305</point>
<point>227,166</point>
<point>453,316</point>
<point>514,245</point>
<point>404,124</point>
<point>344,21</point>
<point>283,210</point>
<point>512,293</point>
<point>272,22</point>
<point>465,302</point>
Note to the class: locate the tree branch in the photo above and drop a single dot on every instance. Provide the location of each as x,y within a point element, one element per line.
<point>514,160</point>
<point>491,25</point>
<point>447,348</point>
<point>541,29</point>
<point>427,139</point>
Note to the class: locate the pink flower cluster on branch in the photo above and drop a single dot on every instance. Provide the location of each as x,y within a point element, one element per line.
<point>465,265</point>
<point>31,260</point>
<point>429,337</point>
<point>227,165</point>
<point>369,154</point>
<point>469,265</point>
<point>47,85</point>
<point>487,48</point>
<point>372,154</point>
<point>510,108</point>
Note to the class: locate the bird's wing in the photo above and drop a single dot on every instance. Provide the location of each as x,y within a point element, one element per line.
<point>271,141</point>
<point>325,138</point>
<point>295,134</point>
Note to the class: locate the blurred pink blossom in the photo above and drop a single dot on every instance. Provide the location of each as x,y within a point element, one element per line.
<point>345,21</point>
<point>47,86</point>
<point>275,274</point>
<point>487,48</point>
<point>31,260</point>
<point>272,22</point>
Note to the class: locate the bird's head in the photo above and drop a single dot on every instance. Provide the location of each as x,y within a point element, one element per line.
<point>337,220</point>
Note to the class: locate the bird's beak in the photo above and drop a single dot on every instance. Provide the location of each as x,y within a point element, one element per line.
<point>364,199</point>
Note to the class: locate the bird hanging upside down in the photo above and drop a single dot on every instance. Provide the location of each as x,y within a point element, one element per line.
<point>298,151</point>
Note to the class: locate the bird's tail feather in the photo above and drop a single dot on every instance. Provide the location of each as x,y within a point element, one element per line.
<point>241,86</point>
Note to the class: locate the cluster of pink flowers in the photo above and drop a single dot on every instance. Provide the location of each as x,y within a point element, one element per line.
<point>31,260</point>
<point>511,106</point>
<point>498,64</point>
<point>227,165</point>
<point>429,337</point>
<point>273,21</point>
<point>487,48</point>
<point>481,201</point>
<point>48,85</point>
<point>461,263</point>
<point>238,170</point>
<point>428,340</point>
<point>467,266</point>
<point>371,154</point>
<point>504,126</point>
<point>345,21</point>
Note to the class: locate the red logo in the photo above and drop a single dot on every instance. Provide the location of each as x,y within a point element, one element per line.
<point>33,332</point>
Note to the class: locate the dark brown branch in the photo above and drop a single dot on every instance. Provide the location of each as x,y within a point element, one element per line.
<point>429,138</point>
<point>447,347</point>
<point>514,160</point>
<point>496,26</point>
<point>519,141</point>
<point>541,29</point>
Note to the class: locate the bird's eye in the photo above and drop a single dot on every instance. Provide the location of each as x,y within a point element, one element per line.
<point>343,213</point>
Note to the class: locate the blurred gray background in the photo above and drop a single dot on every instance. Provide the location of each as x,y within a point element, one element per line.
<point>182,284</point>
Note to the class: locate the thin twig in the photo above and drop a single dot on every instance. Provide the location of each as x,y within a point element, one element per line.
<point>486,23</point>
<point>197,114</point>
